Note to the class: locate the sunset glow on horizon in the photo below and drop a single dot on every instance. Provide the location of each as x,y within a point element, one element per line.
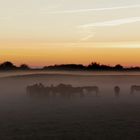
<point>48,32</point>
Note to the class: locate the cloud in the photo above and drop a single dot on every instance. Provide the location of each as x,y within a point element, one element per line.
<point>86,34</point>
<point>87,37</point>
<point>95,9</point>
<point>88,28</point>
<point>111,22</point>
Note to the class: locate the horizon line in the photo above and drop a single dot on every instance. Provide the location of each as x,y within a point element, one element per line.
<point>66,64</point>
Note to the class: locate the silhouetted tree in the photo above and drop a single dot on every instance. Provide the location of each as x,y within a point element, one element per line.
<point>118,67</point>
<point>93,66</point>
<point>7,66</point>
<point>24,67</point>
<point>105,67</point>
<point>65,67</point>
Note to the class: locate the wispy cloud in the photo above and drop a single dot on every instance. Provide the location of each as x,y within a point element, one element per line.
<point>86,33</point>
<point>88,28</point>
<point>112,22</point>
<point>94,9</point>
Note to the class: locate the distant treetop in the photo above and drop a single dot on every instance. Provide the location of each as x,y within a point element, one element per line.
<point>94,66</point>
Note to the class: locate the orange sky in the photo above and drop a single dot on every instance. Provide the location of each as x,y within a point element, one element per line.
<point>47,32</point>
<point>40,54</point>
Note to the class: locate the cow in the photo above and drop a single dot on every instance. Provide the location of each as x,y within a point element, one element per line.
<point>117,91</point>
<point>134,88</point>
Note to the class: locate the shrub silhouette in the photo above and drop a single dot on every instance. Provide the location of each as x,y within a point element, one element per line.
<point>7,66</point>
<point>24,67</point>
<point>94,66</point>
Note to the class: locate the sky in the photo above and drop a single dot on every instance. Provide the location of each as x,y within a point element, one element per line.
<point>47,32</point>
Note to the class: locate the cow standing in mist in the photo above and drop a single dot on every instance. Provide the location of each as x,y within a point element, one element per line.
<point>134,88</point>
<point>117,91</point>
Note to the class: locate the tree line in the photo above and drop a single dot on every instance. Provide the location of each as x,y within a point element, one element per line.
<point>94,66</point>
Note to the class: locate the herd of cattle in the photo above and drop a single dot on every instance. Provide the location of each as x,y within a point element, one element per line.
<point>69,90</point>
<point>61,89</point>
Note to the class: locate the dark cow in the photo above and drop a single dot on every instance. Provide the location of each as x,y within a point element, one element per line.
<point>91,89</point>
<point>134,88</point>
<point>117,91</point>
